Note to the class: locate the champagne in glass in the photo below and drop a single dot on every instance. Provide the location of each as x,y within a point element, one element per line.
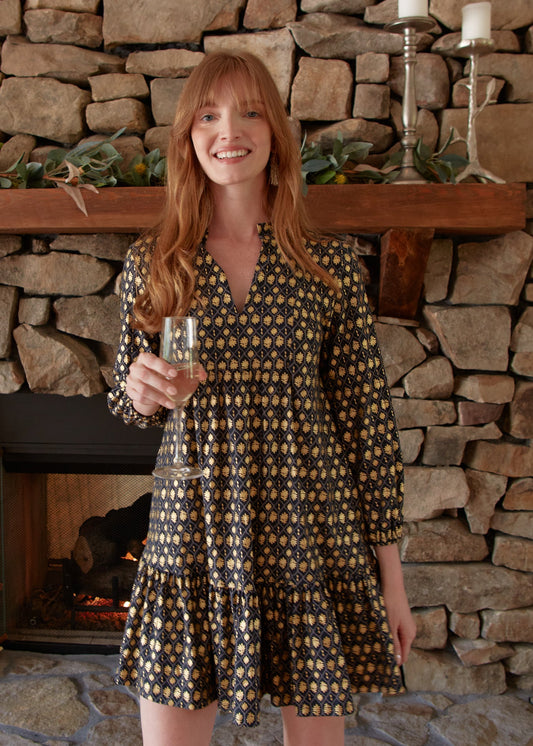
<point>179,348</point>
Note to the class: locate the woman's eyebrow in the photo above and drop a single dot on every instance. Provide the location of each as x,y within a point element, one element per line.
<point>241,102</point>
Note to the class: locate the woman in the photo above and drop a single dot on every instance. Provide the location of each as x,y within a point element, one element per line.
<point>262,577</point>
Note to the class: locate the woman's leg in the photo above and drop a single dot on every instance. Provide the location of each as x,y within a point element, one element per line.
<point>173,726</point>
<point>311,731</point>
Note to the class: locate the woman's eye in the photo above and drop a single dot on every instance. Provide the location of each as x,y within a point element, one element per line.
<point>206,118</point>
<point>252,114</point>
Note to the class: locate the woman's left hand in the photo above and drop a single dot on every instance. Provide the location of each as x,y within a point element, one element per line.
<point>401,622</point>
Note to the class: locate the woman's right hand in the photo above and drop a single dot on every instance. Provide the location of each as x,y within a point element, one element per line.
<point>149,383</point>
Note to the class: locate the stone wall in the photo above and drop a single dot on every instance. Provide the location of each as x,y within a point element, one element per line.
<point>461,374</point>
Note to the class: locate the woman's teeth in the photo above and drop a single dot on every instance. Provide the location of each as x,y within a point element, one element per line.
<point>231,154</point>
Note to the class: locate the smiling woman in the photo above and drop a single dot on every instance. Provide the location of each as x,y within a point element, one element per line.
<point>188,212</point>
<point>261,577</point>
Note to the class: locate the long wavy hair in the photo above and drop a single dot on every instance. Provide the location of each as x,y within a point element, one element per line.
<point>188,206</point>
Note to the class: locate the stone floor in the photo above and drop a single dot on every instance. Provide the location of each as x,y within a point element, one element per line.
<point>64,700</point>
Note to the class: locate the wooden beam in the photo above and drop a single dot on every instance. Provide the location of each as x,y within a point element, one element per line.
<point>447,208</point>
<point>404,255</point>
<point>112,210</point>
<point>355,208</point>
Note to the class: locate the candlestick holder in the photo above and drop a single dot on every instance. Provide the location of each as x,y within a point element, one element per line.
<point>475,48</point>
<point>409,26</point>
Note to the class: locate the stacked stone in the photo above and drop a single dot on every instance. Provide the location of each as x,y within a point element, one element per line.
<point>52,296</point>
<point>463,397</point>
<point>462,374</point>
<point>72,68</point>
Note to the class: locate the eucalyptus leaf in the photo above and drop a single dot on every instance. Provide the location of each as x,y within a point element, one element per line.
<point>15,165</point>
<point>74,194</point>
<point>338,146</point>
<point>443,173</point>
<point>422,150</point>
<point>357,150</point>
<point>455,159</point>
<point>56,156</point>
<point>160,168</point>
<point>22,171</point>
<point>395,159</point>
<point>325,176</point>
<point>110,151</point>
<point>314,166</point>
<point>35,173</point>
<point>153,157</point>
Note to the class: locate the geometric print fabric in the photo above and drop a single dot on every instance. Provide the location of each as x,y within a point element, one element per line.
<point>260,577</point>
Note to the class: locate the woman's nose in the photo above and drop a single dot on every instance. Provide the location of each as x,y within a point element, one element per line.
<point>230,125</point>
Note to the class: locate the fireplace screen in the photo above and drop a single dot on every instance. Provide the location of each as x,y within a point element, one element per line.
<point>73,499</point>
<point>73,548</point>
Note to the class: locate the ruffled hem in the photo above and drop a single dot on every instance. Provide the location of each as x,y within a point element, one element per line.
<point>188,643</point>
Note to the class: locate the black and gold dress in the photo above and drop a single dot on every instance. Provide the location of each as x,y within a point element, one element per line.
<point>260,577</point>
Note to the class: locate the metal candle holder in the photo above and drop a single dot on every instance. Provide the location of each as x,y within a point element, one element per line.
<point>474,48</point>
<point>409,26</point>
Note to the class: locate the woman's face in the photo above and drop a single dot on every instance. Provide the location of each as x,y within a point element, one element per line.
<point>232,140</point>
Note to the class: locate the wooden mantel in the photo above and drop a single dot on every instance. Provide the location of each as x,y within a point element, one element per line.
<point>408,215</point>
<point>363,208</point>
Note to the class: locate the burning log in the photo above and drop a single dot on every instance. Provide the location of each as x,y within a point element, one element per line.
<point>103,540</point>
<point>115,581</point>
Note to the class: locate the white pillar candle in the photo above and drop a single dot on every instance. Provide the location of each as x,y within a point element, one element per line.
<point>476,21</point>
<point>412,8</point>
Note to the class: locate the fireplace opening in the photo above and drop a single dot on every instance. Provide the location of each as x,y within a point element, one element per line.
<point>72,553</point>
<point>75,488</point>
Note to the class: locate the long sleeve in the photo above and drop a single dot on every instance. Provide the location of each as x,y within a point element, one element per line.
<point>132,341</point>
<point>356,386</point>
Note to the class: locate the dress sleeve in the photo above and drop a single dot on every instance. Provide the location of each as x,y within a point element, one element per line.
<point>132,341</point>
<point>357,389</point>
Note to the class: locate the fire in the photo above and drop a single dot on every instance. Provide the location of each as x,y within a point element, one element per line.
<point>132,558</point>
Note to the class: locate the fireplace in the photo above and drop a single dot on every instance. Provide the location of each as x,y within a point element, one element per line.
<point>67,464</point>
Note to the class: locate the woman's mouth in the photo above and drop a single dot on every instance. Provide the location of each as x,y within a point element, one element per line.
<point>227,154</point>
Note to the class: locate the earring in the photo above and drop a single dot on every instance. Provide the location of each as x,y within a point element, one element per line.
<point>274,170</point>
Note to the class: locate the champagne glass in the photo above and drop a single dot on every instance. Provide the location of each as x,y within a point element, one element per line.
<point>179,347</point>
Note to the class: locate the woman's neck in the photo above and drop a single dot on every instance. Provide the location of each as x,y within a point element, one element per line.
<point>237,211</point>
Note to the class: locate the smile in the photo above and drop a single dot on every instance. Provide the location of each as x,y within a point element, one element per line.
<point>224,154</point>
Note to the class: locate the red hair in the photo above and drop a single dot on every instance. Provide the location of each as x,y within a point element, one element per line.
<point>188,204</point>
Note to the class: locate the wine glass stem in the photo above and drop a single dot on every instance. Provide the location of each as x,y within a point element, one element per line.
<point>178,421</point>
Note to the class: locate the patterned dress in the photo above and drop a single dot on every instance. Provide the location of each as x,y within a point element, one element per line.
<point>260,577</point>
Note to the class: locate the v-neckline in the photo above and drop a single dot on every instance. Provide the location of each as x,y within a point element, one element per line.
<point>223,276</point>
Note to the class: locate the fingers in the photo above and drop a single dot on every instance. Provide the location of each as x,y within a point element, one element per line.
<point>403,635</point>
<point>151,383</point>
<point>398,652</point>
<point>147,364</point>
<point>401,622</point>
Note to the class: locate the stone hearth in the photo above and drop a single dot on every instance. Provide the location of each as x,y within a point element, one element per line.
<point>44,698</point>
